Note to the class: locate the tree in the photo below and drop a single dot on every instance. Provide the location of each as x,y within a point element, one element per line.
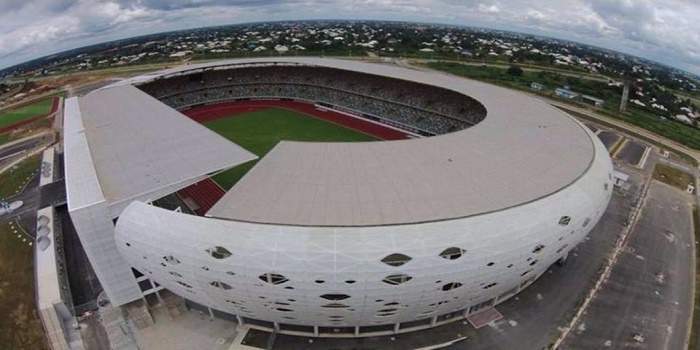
<point>515,71</point>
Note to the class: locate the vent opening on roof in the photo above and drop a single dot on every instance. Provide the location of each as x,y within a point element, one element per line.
<point>222,285</point>
<point>219,252</point>
<point>451,286</point>
<point>171,259</point>
<point>538,248</point>
<point>396,259</point>
<point>335,296</point>
<point>335,306</point>
<point>273,278</point>
<point>564,220</point>
<point>452,253</point>
<point>397,279</point>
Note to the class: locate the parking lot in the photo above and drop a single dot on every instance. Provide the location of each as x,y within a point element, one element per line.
<point>646,302</point>
<point>609,138</point>
<point>631,152</point>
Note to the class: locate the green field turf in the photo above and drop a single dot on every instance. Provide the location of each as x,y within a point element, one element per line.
<point>259,131</point>
<point>15,115</point>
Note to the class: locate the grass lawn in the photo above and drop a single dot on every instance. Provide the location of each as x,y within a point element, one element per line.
<point>672,176</point>
<point>14,179</point>
<point>4,138</point>
<point>259,131</point>
<point>550,80</point>
<point>20,327</point>
<point>15,115</point>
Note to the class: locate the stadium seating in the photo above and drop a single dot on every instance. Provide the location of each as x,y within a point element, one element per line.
<point>423,109</point>
<point>205,193</point>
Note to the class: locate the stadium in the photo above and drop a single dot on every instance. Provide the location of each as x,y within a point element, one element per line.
<point>396,200</point>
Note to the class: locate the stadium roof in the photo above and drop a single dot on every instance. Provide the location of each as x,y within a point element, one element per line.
<point>523,150</point>
<point>121,145</point>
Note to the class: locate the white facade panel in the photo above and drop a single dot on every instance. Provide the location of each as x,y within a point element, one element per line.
<point>96,232</point>
<point>82,185</point>
<point>90,213</point>
<point>503,250</point>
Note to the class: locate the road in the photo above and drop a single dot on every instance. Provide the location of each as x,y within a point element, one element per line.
<point>648,292</point>
<point>631,152</point>
<point>12,154</point>
<point>10,150</point>
<point>609,139</point>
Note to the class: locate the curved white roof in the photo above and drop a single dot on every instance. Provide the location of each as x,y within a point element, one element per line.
<point>122,145</point>
<point>523,150</point>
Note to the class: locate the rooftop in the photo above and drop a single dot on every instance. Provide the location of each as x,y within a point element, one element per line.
<point>523,150</point>
<point>124,145</point>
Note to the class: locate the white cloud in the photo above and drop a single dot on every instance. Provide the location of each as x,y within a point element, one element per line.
<point>535,15</point>
<point>658,28</point>
<point>489,8</point>
<point>664,30</point>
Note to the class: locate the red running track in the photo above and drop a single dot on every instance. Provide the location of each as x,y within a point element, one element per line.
<point>206,192</point>
<point>54,108</point>
<point>212,112</point>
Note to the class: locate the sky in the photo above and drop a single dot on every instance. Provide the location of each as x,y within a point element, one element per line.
<point>667,31</point>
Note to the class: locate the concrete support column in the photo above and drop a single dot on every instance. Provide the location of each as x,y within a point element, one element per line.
<point>315,331</point>
<point>211,314</point>
<point>160,299</point>
<point>357,331</point>
<point>433,321</point>
<point>240,320</point>
<point>277,326</point>
<point>396,327</point>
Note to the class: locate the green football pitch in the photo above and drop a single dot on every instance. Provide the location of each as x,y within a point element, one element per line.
<point>260,131</point>
<point>32,110</point>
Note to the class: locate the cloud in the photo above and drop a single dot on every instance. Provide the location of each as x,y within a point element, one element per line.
<point>489,8</point>
<point>169,5</point>
<point>37,28</point>
<point>657,27</point>
<point>664,30</point>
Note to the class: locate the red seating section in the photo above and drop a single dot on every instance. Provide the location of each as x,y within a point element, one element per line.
<point>205,193</point>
